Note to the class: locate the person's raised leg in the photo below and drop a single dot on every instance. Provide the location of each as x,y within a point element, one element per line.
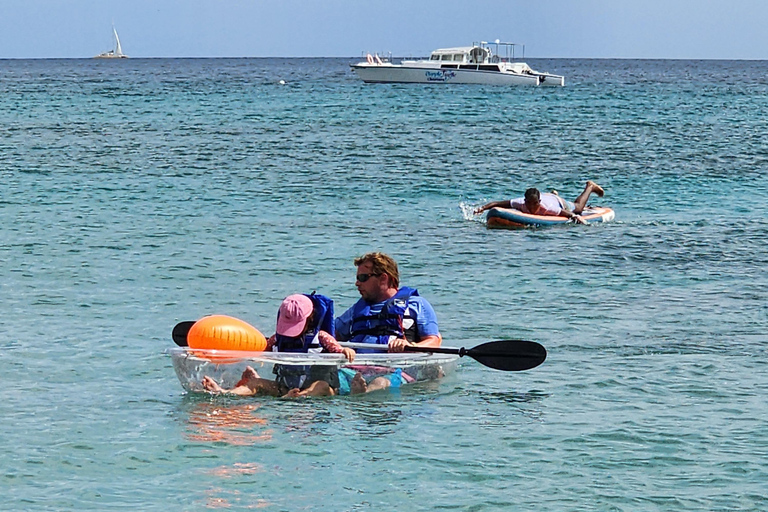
<point>249,374</point>
<point>581,201</point>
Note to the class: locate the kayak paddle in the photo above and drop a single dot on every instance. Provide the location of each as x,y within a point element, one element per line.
<point>505,355</point>
<point>180,332</point>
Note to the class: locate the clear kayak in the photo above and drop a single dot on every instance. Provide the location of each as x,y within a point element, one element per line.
<point>226,366</point>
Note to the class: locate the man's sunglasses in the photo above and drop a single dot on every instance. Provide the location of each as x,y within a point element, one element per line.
<point>361,278</point>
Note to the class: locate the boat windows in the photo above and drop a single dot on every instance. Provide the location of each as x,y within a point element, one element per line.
<point>458,57</point>
<point>447,57</point>
<point>434,57</point>
<point>488,67</point>
<point>473,67</point>
<point>448,66</point>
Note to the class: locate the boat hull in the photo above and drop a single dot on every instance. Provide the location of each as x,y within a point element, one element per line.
<point>226,366</point>
<point>373,73</point>
<point>512,219</point>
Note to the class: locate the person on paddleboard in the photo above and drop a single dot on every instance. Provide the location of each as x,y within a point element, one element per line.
<point>385,314</point>
<point>536,203</point>
<point>303,321</point>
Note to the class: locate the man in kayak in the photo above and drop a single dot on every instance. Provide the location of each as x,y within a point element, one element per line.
<point>386,314</point>
<point>302,321</point>
<point>536,203</point>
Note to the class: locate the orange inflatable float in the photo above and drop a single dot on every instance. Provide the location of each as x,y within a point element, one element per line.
<point>221,332</point>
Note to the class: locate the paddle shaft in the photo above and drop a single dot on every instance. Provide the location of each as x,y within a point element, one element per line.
<point>408,348</point>
<point>182,328</point>
<point>505,355</point>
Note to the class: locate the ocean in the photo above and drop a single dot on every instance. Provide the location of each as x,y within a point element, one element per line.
<point>143,192</point>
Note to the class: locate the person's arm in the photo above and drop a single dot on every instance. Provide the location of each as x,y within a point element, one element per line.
<point>433,341</point>
<point>399,344</point>
<point>330,344</point>
<point>565,212</point>
<point>494,204</point>
<point>426,326</point>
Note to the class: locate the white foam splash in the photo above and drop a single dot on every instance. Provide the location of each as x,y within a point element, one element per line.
<point>468,211</point>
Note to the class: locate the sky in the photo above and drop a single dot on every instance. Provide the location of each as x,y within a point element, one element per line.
<point>631,29</point>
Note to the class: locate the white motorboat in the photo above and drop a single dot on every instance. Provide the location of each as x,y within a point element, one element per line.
<point>476,64</point>
<point>117,53</point>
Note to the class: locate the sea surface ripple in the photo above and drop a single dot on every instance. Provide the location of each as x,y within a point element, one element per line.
<point>140,193</point>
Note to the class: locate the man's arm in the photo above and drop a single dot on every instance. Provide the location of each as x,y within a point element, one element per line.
<point>494,204</point>
<point>426,326</point>
<point>565,212</point>
<point>430,341</point>
<point>399,344</point>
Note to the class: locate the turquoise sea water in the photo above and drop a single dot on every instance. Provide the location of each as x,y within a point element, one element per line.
<point>139,193</point>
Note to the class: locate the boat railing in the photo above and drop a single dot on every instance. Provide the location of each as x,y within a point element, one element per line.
<point>509,50</point>
<point>377,57</point>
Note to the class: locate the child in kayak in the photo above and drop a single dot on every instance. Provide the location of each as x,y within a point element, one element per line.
<point>302,321</point>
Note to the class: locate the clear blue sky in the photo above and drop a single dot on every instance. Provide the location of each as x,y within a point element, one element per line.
<point>668,29</point>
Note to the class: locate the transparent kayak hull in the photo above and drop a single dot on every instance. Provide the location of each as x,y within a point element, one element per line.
<point>226,367</point>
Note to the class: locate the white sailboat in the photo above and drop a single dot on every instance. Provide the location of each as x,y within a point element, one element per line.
<point>117,53</point>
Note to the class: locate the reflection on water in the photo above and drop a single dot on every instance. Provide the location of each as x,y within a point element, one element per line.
<point>215,499</point>
<point>213,422</point>
<point>376,418</point>
<point>507,396</point>
<point>245,421</point>
<point>220,497</point>
<point>239,468</point>
<point>378,414</point>
<point>235,424</point>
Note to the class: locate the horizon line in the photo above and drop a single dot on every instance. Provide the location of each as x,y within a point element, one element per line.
<point>395,57</point>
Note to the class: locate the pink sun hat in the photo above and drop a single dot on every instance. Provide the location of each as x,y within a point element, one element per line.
<point>292,315</point>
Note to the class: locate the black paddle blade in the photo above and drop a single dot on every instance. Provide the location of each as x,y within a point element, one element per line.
<point>180,332</point>
<point>509,355</point>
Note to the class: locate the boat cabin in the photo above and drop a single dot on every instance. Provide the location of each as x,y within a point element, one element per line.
<point>476,58</point>
<point>462,55</point>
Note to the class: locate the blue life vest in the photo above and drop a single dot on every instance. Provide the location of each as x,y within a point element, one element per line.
<point>388,322</point>
<point>322,321</point>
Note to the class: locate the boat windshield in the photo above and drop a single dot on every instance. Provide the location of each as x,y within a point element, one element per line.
<point>479,55</point>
